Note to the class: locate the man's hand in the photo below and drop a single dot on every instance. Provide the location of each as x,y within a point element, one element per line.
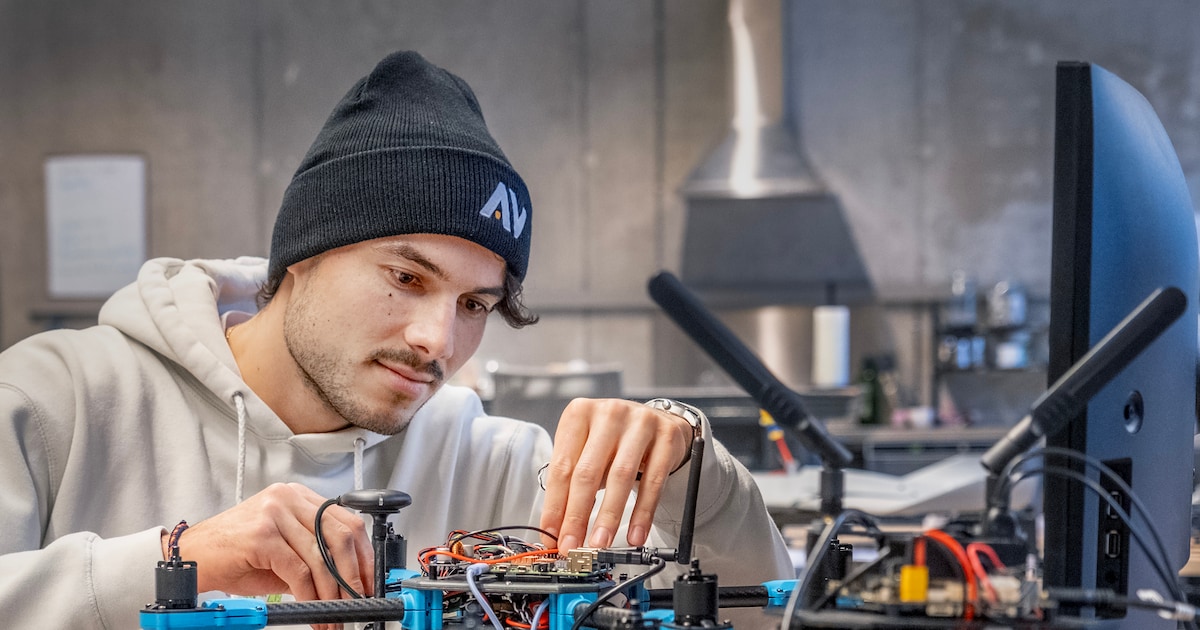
<point>266,544</point>
<point>606,444</point>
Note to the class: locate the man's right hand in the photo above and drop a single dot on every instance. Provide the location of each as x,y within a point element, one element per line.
<point>266,544</point>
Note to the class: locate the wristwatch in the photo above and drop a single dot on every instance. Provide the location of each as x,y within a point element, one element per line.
<point>692,415</point>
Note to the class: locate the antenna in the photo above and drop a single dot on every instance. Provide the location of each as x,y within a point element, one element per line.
<point>687,529</point>
<point>784,405</point>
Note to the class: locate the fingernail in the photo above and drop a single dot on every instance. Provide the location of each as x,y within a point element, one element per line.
<point>601,538</point>
<point>637,535</point>
<point>567,543</point>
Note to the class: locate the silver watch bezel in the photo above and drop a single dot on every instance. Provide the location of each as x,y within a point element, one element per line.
<point>692,415</point>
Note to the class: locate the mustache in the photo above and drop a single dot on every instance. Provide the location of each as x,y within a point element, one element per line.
<point>410,359</point>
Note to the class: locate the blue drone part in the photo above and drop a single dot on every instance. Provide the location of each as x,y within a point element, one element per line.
<point>228,614</point>
<point>778,592</point>
<point>423,608</point>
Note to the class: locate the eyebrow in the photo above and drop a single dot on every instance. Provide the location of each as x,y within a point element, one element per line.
<point>414,255</point>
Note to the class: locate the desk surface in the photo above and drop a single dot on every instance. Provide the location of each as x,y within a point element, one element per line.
<point>857,433</point>
<point>955,484</point>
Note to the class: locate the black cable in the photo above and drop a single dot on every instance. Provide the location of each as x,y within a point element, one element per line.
<point>325,552</point>
<point>1163,557</point>
<point>1163,571</point>
<point>1103,469</point>
<point>813,562</point>
<point>852,578</point>
<point>1108,598</point>
<point>659,565</point>
<point>454,539</point>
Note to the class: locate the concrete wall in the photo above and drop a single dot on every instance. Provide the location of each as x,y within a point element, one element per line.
<point>932,121</point>
<point>935,120</point>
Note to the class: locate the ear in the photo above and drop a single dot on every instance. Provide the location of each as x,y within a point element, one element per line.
<point>297,275</point>
<point>301,271</point>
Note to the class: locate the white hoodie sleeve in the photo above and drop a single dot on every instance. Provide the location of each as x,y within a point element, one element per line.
<point>78,579</point>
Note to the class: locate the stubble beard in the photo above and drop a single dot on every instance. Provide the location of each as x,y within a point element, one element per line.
<point>328,374</point>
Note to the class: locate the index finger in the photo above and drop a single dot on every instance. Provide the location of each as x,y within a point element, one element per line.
<point>569,440</point>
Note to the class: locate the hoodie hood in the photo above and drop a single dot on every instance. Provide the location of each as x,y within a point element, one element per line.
<point>177,308</point>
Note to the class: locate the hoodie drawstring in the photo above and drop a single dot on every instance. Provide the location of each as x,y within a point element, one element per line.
<point>359,443</point>
<point>240,404</point>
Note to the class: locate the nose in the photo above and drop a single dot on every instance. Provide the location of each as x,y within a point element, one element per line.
<point>431,330</point>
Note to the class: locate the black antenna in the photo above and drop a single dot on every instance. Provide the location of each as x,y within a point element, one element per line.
<point>733,356</point>
<point>687,529</point>
<point>1070,394</point>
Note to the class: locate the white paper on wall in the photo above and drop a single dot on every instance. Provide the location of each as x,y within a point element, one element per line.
<point>95,223</point>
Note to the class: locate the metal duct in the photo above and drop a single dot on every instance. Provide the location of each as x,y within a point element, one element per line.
<point>761,227</point>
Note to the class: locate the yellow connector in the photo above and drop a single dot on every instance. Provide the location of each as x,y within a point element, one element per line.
<point>774,433</point>
<point>914,583</point>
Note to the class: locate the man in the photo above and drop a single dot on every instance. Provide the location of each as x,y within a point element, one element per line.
<point>403,229</point>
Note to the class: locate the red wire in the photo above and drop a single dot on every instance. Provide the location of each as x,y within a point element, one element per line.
<point>981,575</point>
<point>973,551</point>
<point>785,454</point>
<point>947,541</point>
<point>989,552</point>
<point>543,624</point>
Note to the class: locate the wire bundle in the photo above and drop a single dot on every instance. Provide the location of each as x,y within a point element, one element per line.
<point>492,551</point>
<point>493,548</point>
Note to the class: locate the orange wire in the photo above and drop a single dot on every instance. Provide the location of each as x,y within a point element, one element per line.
<point>424,557</point>
<point>947,541</point>
<point>441,552</point>
<point>536,552</point>
<point>545,623</point>
<point>919,552</point>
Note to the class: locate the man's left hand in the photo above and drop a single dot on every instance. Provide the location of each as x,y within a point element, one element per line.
<point>606,444</point>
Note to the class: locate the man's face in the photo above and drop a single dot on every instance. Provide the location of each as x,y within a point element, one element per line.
<point>376,328</point>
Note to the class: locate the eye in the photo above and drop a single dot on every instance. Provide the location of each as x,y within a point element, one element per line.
<point>475,306</point>
<point>404,278</point>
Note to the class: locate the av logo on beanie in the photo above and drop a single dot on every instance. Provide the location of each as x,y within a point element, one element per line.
<point>503,206</point>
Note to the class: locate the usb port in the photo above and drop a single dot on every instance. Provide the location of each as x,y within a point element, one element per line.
<point>1112,543</point>
<point>1109,511</point>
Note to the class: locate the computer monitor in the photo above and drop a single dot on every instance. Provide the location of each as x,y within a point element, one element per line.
<point>1123,226</point>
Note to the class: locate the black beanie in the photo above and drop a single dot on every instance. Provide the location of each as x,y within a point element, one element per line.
<point>406,151</point>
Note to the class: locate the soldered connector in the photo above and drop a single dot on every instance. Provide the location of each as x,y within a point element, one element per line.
<point>582,560</point>
<point>590,559</point>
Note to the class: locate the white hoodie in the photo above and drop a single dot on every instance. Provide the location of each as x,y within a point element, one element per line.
<point>121,430</point>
